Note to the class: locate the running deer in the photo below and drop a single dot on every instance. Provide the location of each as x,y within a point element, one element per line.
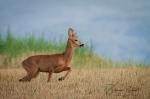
<point>54,63</point>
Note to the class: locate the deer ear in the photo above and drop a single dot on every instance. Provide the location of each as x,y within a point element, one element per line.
<point>70,32</point>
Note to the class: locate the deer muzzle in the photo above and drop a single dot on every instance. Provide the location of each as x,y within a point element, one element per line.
<point>81,45</point>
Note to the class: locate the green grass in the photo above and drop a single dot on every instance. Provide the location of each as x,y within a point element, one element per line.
<point>14,48</point>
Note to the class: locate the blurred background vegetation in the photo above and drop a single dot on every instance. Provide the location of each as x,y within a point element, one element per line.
<point>13,50</point>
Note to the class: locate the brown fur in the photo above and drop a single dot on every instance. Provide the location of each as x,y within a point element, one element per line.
<point>54,63</point>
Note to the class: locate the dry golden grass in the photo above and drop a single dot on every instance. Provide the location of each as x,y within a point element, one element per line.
<point>113,83</point>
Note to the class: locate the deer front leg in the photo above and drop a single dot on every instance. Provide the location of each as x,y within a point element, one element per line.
<point>50,74</point>
<point>68,69</point>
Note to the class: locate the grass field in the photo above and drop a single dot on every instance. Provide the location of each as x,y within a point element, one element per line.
<point>112,83</point>
<point>92,76</point>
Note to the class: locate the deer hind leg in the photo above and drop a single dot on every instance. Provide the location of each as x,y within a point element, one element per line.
<point>34,72</point>
<point>25,78</point>
<point>28,76</point>
<point>68,69</point>
<point>31,73</point>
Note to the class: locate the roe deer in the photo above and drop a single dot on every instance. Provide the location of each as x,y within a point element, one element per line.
<point>54,63</point>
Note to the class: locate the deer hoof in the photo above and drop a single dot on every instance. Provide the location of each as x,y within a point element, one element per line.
<point>61,78</point>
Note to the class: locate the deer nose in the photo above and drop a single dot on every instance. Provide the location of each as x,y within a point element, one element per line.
<point>82,45</point>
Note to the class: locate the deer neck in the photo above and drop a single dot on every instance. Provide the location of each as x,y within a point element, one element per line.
<point>68,54</point>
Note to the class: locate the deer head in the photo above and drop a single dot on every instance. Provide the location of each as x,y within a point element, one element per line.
<point>73,39</point>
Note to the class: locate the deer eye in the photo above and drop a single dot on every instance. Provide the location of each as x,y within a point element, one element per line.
<point>76,40</point>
